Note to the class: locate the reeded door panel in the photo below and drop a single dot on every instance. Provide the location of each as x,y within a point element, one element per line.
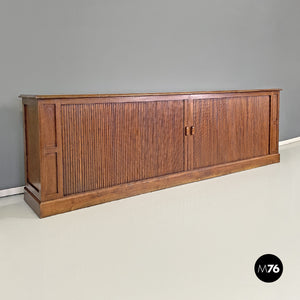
<point>230,129</point>
<point>114,143</point>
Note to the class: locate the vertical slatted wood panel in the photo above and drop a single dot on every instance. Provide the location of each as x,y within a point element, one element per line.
<point>230,129</point>
<point>188,139</point>
<point>109,144</point>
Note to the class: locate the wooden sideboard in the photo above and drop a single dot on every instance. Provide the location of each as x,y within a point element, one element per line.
<point>82,150</point>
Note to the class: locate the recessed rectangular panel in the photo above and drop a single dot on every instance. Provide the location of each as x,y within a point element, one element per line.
<point>114,143</point>
<point>49,122</point>
<point>230,129</point>
<point>51,182</point>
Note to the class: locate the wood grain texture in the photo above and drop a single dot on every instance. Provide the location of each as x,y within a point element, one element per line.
<point>82,150</point>
<point>32,146</point>
<point>51,178</point>
<point>110,144</point>
<point>50,150</point>
<point>32,200</point>
<point>77,201</point>
<point>188,141</point>
<point>49,132</point>
<point>230,129</point>
<point>274,123</point>
<point>59,149</point>
<point>64,96</point>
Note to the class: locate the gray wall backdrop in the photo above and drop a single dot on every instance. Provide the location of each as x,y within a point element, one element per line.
<point>117,46</point>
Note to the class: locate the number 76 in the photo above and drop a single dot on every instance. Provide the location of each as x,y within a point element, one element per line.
<point>275,268</point>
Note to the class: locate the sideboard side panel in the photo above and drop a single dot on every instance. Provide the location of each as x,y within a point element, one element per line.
<point>32,150</point>
<point>274,123</point>
<point>50,144</point>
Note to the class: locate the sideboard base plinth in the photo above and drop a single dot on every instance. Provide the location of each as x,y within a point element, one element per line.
<point>73,202</point>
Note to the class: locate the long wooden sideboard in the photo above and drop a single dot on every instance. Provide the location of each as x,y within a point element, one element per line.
<point>82,150</point>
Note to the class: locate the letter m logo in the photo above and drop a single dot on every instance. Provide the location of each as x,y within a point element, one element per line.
<point>262,269</point>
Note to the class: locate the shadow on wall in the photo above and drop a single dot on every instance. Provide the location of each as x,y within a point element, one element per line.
<point>11,134</point>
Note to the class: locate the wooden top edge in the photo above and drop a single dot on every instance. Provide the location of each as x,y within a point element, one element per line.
<point>142,94</point>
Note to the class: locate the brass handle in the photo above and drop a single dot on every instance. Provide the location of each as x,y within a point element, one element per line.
<point>192,130</point>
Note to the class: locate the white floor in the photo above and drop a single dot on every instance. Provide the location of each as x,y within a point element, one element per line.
<point>196,241</point>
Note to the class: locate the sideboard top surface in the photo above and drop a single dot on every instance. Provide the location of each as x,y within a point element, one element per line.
<point>66,96</point>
